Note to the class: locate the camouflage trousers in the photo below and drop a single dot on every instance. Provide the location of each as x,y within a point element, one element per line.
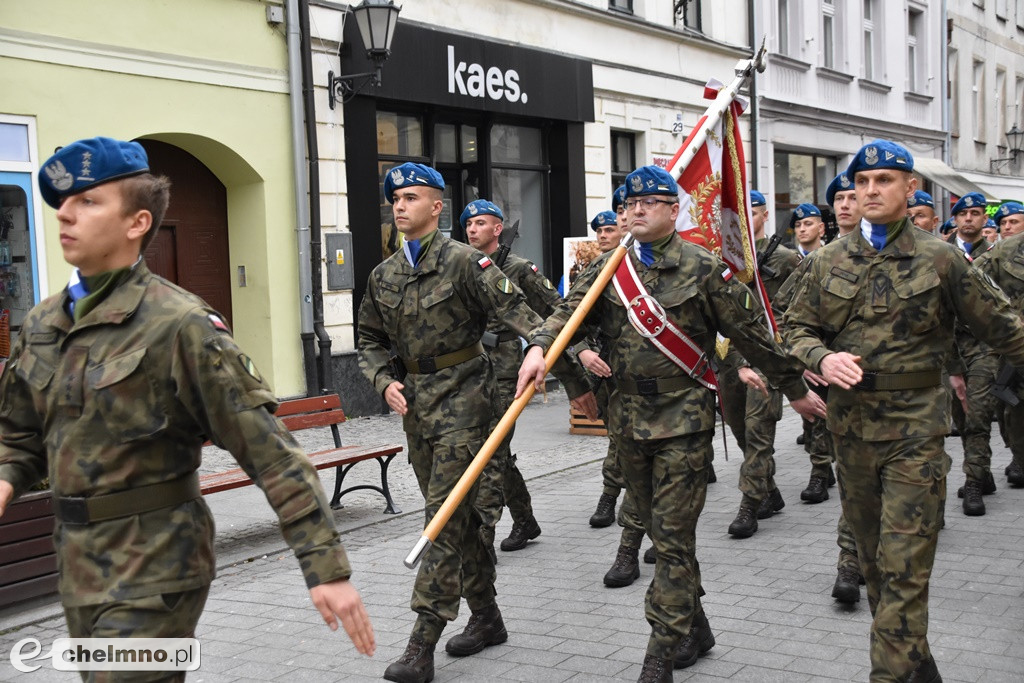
<point>732,394</point>
<point>668,481</point>
<point>848,556</point>
<point>611,473</point>
<point>171,615</point>
<point>818,441</point>
<point>457,564</point>
<point>976,424</point>
<point>627,517</point>
<point>513,486</point>
<point>892,494</point>
<point>1014,419</point>
<point>757,473</point>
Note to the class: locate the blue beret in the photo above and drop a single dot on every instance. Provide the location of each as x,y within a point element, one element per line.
<point>756,198</point>
<point>991,224</point>
<point>618,197</point>
<point>880,154</point>
<point>971,200</point>
<point>409,174</point>
<point>948,226</point>
<point>650,180</point>
<point>920,198</point>
<point>805,211</point>
<point>480,207</point>
<point>604,218</point>
<point>841,183</point>
<point>87,163</point>
<point>1009,209</point>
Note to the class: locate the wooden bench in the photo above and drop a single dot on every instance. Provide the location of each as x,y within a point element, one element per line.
<point>319,411</point>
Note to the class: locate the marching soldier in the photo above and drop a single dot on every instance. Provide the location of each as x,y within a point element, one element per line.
<point>1011,219</point>
<point>808,228</point>
<point>112,388</point>
<point>679,296</point>
<point>431,302</point>
<point>874,316</point>
<point>921,212</point>
<point>483,222</point>
<point>763,402</point>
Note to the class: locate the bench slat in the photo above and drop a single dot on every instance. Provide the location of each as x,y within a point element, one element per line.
<point>324,419</point>
<point>309,405</point>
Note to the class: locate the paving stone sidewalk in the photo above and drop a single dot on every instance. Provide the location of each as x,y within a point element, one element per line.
<point>768,596</point>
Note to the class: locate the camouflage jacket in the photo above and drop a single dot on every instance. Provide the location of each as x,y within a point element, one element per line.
<point>541,296</point>
<point>895,309</point>
<point>439,307</point>
<point>125,398</point>
<point>1004,263</point>
<point>699,295</point>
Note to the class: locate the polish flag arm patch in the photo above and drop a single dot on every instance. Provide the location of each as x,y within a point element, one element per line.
<point>484,262</point>
<point>727,274</point>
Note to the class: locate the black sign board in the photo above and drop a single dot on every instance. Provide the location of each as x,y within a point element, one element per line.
<point>465,72</point>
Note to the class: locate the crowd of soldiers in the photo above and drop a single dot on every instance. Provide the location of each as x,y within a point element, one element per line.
<point>882,333</point>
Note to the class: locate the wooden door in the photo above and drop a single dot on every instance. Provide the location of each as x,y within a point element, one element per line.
<point>191,248</point>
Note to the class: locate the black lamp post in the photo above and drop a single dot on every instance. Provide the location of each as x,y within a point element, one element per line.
<point>376,20</point>
<point>1015,145</point>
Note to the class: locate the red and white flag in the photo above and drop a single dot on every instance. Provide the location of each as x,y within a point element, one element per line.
<point>715,198</point>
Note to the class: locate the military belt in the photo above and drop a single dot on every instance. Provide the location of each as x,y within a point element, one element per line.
<point>81,510</point>
<point>898,381</point>
<point>649,386</point>
<point>445,360</point>
<point>492,339</point>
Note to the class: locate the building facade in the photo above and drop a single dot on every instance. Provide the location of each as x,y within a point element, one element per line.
<point>986,90</point>
<point>840,74</point>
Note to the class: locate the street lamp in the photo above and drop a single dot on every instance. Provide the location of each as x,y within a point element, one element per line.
<point>376,20</point>
<point>1015,145</point>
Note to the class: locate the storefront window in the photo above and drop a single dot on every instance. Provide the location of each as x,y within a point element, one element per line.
<point>399,134</point>
<point>516,145</point>
<point>17,289</point>
<point>14,142</point>
<point>520,194</point>
<point>800,178</point>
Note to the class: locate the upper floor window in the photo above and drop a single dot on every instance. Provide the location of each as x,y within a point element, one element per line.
<point>870,43</point>
<point>687,13</point>
<point>623,156</point>
<point>829,31</point>
<point>978,99</point>
<point>915,50</point>
<point>621,5</point>
<point>784,20</point>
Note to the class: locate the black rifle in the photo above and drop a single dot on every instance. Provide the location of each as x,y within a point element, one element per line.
<point>1006,385</point>
<point>505,245</point>
<point>763,268</point>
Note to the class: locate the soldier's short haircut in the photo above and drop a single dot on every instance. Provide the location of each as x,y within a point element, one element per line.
<point>147,192</point>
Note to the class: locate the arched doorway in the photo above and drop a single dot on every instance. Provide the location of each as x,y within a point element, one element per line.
<point>191,247</point>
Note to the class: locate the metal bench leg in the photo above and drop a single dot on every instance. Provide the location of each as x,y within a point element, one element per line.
<point>339,478</point>
<point>390,508</point>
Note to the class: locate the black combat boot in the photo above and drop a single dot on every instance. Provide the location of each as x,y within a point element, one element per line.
<point>771,504</point>
<point>416,665</point>
<point>696,644</point>
<point>521,534</point>
<point>626,568</point>
<point>816,491</point>
<point>974,505</point>
<point>712,477</point>
<point>925,672</point>
<point>745,524</point>
<point>485,628</point>
<point>988,486</point>
<point>605,513</point>
<point>1015,474</point>
<point>651,556</point>
<point>847,588</point>
<point>831,477</point>
<point>656,670</point>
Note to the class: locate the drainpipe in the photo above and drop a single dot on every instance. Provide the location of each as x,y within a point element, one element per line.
<point>755,144</point>
<point>301,190</point>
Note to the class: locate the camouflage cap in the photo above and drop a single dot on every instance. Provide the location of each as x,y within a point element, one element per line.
<point>87,163</point>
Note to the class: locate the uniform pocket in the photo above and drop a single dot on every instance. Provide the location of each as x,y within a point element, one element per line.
<point>122,395</point>
<point>919,303</point>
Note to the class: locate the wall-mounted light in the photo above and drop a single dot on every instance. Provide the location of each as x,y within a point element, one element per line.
<point>376,20</point>
<point>1015,145</point>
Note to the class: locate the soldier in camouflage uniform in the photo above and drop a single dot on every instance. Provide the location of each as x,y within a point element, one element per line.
<point>112,388</point>
<point>763,402</point>
<point>974,421</point>
<point>482,221</point>
<point>921,212</point>
<point>874,315</point>
<point>610,227</point>
<point>431,303</point>
<point>662,419</point>
<point>1004,263</point>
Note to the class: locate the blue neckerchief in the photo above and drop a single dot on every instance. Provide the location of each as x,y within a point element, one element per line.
<point>413,251</point>
<point>802,251</point>
<point>77,289</point>
<point>967,247</point>
<point>644,252</point>
<point>877,234</point>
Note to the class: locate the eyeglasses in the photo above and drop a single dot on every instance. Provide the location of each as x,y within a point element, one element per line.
<point>647,203</point>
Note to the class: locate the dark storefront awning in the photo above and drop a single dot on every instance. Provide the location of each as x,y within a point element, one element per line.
<point>944,176</point>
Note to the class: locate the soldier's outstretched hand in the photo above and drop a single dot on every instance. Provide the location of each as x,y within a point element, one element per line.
<point>842,368</point>
<point>340,598</point>
<point>6,494</point>
<point>393,395</point>
<point>752,380</point>
<point>533,369</point>
<point>809,406</point>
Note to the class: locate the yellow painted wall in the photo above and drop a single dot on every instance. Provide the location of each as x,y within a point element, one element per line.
<point>206,75</point>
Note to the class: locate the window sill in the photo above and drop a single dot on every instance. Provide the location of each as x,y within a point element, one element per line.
<point>791,62</point>
<point>918,97</point>
<point>868,84</point>
<point>833,75</point>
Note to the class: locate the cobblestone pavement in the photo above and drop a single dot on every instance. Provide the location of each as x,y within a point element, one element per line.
<point>768,597</point>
